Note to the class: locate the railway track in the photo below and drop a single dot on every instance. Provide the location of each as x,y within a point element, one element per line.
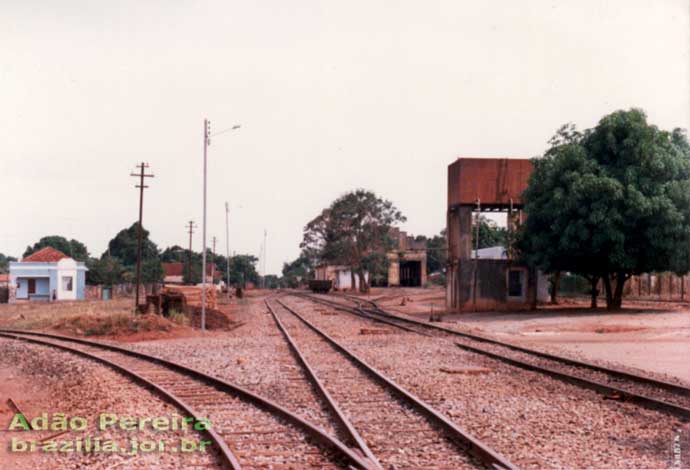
<point>614,384</point>
<point>247,431</point>
<point>389,425</point>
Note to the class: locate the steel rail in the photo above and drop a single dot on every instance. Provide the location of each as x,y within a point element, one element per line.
<point>670,386</point>
<point>264,403</point>
<point>333,405</point>
<point>227,455</point>
<point>639,398</point>
<point>480,450</point>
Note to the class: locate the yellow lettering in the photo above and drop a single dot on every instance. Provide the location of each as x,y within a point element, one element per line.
<point>106,420</point>
<point>19,422</point>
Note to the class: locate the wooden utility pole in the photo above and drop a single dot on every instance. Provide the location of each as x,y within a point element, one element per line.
<point>190,228</point>
<point>141,175</point>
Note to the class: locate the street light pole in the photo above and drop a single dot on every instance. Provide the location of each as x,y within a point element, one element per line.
<point>203,254</point>
<point>207,142</point>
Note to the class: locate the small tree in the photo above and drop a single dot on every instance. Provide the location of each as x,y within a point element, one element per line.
<point>609,203</point>
<point>191,273</point>
<point>297,271</point>
<point>243,270</point>
<point>152,271</point>
<point>106,271</point>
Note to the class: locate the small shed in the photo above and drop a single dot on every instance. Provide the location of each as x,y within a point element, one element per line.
<point>48,274</point>
<point>340,275</point>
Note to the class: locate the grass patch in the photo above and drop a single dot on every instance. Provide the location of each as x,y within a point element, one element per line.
<point>179,318</point>
<point>114,325</point>
<point>84,318</point>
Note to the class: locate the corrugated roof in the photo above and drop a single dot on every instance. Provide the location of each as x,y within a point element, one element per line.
<point>45,255</point>
<point>177,269</point>
<point>173,269</point>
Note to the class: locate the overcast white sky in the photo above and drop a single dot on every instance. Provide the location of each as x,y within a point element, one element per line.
<point>331,96</point>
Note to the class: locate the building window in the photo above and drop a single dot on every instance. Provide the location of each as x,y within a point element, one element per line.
<point>516,283</point>
<point>67,283</point>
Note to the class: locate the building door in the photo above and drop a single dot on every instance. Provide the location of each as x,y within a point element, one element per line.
<point>411,273</point>
<point>32,286</point>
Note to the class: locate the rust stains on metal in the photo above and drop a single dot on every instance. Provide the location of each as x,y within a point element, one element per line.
<point>493,181</point>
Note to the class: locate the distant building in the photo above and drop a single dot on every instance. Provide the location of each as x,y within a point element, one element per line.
<point>174,273</point>
<point>340,275</point>
<point>407,261</point>
<point>4,280</point>
<point>48,274</point>
<point>406,266</point>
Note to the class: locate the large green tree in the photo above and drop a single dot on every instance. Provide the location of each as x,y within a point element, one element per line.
<point>610,202</point>
<point>354,231</point>
<point>124,245</point>
<point>124,248</point>
<point>72,248</point>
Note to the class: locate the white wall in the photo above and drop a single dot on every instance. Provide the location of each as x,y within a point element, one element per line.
<point>66,267</point>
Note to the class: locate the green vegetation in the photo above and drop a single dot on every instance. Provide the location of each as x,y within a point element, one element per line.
<point>124,245</point>
<point>123,251</point>
<point>243,270</point>
<point>354,231</point>
<point>298,271</point>
<point>609,203</point>
<point>490,234</point>
<point>72,248</point>
<point>118,324</point>
<point>436,252</point>
<point>5,263</point>
<point>106,271</point>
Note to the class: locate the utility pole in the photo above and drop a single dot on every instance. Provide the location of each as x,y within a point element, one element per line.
<point>476,256</point>
<point>190,228</point>
<point>213,261</point>
<point>141,175</point>
<point>264,260</point>
<point>227,247</point>
<point>207,141</point>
